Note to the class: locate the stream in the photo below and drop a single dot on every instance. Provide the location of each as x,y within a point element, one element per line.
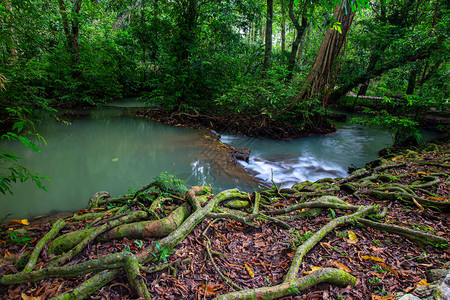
<point>106,150</point>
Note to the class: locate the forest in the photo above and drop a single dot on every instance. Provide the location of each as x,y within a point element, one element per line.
<point>284,70</point>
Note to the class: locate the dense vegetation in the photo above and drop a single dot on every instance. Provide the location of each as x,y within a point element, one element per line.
<point>283,61</point>
<point>258,64</point>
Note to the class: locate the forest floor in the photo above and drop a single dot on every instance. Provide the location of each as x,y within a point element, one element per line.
<point>260,253</point>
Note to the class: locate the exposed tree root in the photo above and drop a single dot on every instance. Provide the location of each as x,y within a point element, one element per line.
<point>171,212</point>
<point>416,236</point>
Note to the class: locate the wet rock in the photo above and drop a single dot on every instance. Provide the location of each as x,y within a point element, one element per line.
<point>409,297</point>
<point>442,292</point>
<point>241,154</point>
<point>436,274</point>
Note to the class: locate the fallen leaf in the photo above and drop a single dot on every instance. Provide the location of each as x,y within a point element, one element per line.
<point>418,204</point>
<point>423,282</point>
<point>249,271</point>
<point>313,269</point>
<point>422,173</point>
<point>426,265</point>
<point>326,245</point>
<point>26,297</point>
<point>352,238</point>
<point>21,222</point>
<point>409,289</point>
<point>387,297</point>
<point>223,237</point>
<point>209,289</point>
<point>341,266</point>
<point>232,265</point>
<point>390,269</point>
<point>435,198</point>
<point>374,258</point>
<point>115,159</point>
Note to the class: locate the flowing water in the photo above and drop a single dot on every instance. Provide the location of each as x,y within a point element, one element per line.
<point>108,151</point>
<point>311,158</point>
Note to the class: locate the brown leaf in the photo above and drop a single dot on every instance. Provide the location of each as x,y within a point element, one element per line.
<point>326,245</point>
<point>26,297</point>
<point>390,269</point>
<point>209,289</point>
<point>20,222</point>
<point>249,271</point>
<point>313,269</point>
<point>418,204</point>
<point>341,266</point>
<point>374,258</point>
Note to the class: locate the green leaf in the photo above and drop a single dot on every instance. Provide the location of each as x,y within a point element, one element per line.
<point>29,144</point>
<point>18,126</point>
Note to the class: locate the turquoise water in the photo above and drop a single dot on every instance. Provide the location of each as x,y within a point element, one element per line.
<point>106,150</point>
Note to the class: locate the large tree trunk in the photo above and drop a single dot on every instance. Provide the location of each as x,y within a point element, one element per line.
<point>268,47</point>
<point>318,80</point>
<point>298,38</point>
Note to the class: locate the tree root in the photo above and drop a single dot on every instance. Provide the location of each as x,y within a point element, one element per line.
<point>318,236</point>
<point>59,224</point>
<point>198,203</point>
<point>211,259</point>
<point>443,206</point>
<point>330,275</point>
<point>416,236</point>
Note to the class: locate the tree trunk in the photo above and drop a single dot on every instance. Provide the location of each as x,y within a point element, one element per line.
<point>374,58</point>
<point>317,81</point>
<point>365,77</point>
<point>298,38</point>
<point>283,27</point>
<point>268,40</point>
<point>72,30</point>
<point>412,81</point>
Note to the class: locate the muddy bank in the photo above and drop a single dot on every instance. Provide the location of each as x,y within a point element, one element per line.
<point>261,126</point>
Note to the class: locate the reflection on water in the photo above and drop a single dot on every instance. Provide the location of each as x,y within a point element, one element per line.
<point>311,158</point>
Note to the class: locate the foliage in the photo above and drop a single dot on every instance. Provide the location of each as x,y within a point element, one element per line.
<point>162,253</point>
<point>13,172</point>
<point>404,130</point>
<point>169,184</point>
<point>199,56</point>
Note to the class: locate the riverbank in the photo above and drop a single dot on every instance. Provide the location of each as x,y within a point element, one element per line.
<point>257,238</point>
<point>261,126</point>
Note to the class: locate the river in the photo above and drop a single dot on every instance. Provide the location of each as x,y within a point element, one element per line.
<point>106,150</point>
